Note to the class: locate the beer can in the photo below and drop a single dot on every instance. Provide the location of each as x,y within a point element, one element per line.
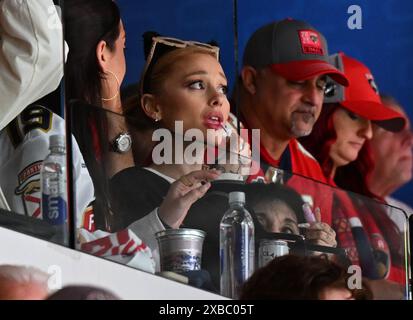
<point>269,249</point>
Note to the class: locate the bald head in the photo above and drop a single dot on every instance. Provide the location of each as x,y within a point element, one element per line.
<point>392,154</point>
<point>22,283</point>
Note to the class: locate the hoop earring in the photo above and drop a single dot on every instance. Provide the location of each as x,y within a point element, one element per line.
<point>118,82</point>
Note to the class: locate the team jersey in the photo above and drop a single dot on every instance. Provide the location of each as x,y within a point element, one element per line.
<point>24,143</point>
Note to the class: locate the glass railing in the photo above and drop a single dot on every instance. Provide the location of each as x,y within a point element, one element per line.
<point>114,193</point>
<point>127,194</point>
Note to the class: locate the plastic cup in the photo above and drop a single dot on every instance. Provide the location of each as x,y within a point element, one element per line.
<point>180,250</point>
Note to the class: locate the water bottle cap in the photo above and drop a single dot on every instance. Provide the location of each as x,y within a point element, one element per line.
<point>57,140</point>
<point>236,196</point>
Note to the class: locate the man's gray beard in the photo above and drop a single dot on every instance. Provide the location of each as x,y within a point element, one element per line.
<point>295,132</point>
<point>298,133</point>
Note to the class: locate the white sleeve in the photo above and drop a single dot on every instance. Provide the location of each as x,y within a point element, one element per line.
<point>31,54</point>
<point>123,247</point>
<point>146,228</point>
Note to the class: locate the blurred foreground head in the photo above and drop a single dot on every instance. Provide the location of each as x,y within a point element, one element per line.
<point>82,293</point>
<point>22,283</point>
<point>301,278</point>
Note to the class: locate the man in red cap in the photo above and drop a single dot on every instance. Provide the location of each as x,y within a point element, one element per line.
<point>281,93</point>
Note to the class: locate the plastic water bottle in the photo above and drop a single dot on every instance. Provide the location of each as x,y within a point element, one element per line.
<point>53,186</point>
<point>236,246</point>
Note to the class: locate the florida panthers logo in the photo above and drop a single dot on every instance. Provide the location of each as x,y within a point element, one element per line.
<point>29,189</point>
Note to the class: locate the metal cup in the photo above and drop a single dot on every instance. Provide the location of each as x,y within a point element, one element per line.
<point>270,249</point>
<point>180,250</point>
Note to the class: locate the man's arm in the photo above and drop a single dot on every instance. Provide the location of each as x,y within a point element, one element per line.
<point>31,54</point>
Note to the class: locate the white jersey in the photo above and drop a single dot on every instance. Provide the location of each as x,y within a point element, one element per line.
<point>31,54</point>
<point>24,144</point>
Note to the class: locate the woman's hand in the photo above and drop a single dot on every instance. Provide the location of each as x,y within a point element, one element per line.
<point>235,155</point>
<point>183,193</point>
<point>320,233</point>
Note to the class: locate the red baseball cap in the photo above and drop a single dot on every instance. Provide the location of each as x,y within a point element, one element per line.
<point>293,49</point>
<point>362,95</point>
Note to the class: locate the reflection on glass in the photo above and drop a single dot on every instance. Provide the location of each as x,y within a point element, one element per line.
<point>278,213</point>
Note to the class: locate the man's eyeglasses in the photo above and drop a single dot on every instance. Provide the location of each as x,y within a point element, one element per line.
<point>164,45</point>
<point>330,89</point>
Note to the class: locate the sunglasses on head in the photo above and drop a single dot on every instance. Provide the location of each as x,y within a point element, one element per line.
<point>162,45</point>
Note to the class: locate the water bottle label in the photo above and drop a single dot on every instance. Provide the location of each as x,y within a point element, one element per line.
<point>241,251</point>
<point>54,209</point>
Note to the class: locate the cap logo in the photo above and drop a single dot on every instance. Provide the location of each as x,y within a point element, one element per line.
<point>311,42</point>
<point>372,83</point>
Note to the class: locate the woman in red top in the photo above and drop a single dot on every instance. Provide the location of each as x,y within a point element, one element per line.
<point>339,141</point>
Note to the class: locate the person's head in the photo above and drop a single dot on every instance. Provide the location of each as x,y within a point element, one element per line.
<point>293,277</point>
<point>283,78</point>
<point>95,65</point>
<point>22,283</point>
<point>278,208</point>
<point>82,293</point>
<point>184,81</point>
<point>392,154</point>
<point>345,124</point>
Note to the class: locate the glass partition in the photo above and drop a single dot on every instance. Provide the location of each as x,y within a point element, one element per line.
<point>138,142</point>
<point>130,196</point>
<point>124,169</point>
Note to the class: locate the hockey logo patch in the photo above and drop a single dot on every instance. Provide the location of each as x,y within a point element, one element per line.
<point>29,189</point>
<point>311,42</point>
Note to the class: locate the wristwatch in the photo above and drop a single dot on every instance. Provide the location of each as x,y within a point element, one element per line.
<point>122,143</point>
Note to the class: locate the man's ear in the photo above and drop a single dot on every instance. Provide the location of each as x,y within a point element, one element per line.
<point>249,79</point>
<point>150,106</point>
<point>102,54</point>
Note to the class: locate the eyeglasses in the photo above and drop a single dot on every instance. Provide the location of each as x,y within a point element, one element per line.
<point>330,89</point>
<point>172,43</point>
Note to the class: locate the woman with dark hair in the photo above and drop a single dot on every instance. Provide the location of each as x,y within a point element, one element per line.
<point>94,72</point>
<point>339,141</point>
<point>279,209</point>
<point>95,65</point>
<point>293,277</point>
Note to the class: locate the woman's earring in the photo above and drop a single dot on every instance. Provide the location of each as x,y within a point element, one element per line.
<point>156,119</point>
<point>118,82</point>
